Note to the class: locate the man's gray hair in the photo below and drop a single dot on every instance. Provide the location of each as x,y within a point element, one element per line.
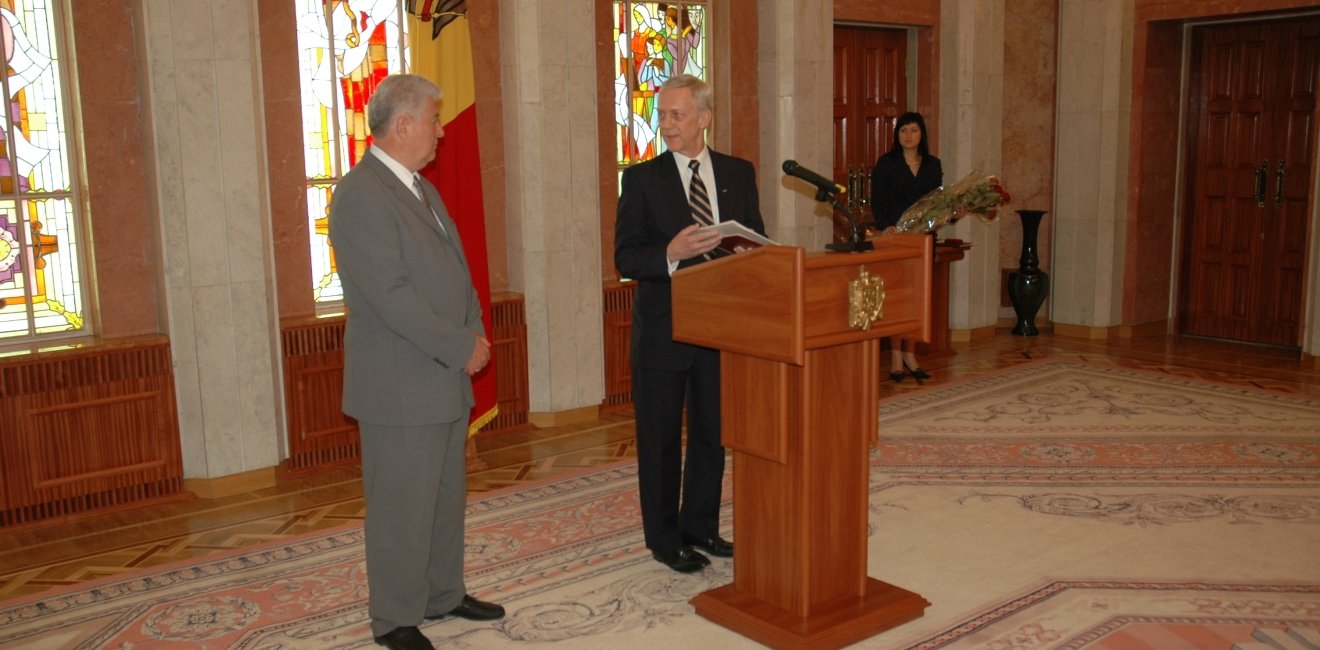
<point>398,94</point>
<point>702,95</point>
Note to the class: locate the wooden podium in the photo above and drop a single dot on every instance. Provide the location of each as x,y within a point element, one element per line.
<point>800,392</point>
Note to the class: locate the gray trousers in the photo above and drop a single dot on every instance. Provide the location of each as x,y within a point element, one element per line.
<point>414,480</point>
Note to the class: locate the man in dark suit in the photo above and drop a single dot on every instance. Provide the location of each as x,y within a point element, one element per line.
<point>662,205</point>
<point>413,340</point>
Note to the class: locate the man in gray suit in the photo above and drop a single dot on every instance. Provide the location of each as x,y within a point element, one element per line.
<point>414,339</point>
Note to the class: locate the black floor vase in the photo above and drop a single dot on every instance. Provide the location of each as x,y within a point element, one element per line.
<point>1028,286</point>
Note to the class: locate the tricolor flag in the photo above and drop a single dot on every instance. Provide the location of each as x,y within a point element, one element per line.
<point>441,47</point>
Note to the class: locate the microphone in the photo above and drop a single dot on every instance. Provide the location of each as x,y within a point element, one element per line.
<point>825,191</point>
<point>823,184</point>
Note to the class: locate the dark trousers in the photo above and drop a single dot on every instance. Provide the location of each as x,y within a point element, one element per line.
<point>658,398</point>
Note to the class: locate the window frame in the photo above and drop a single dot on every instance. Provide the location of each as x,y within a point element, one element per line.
<point>77,197</point>
<point>631,81</point>
<point>339,158</point>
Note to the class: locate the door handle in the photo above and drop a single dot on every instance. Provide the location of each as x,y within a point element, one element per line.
<point>1261,173</point>
<point>851,190</point>
<point>1278,186</point>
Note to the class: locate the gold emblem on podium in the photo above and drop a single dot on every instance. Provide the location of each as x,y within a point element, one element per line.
<point>866,300</point>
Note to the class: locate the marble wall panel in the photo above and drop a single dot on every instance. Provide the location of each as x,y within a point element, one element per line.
<point>1091,134</point>
<point>607,174</point>
<point>795,73</point>
<point>743,107</point>
<point>282,114</point>
<point>113,135</point>
<point>552,172</point>
<point>257,358</point>
<point>190,28</point>
<point>199,141</point>
<point>187,377</point>
<point>893,12</point>
<point>245,224</point>
<point>1029,83</point>
<point>1108,243</point>
<point>1109,148</point>
<point>1067,288</point>
<point>972,134</point>
<point>216,229</point>
<point>217,379</point>
<point>232,36</point>
<point>484,24</point>
<point>561,380</point>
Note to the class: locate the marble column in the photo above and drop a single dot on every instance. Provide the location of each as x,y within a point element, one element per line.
<point>1090,203</point>
<point>971,139</point>
<point>795,73</point>
<point>550,93</point>
<point>207,138</point>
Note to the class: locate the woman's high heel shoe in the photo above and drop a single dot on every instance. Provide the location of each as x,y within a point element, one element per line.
<point>897,376</point>
<point>916,372</point>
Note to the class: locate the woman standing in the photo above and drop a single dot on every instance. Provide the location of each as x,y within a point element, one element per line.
<point>900,177</point>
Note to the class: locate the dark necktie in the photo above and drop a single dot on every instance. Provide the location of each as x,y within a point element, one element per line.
<point>697,196</point>
<point>417,185</point>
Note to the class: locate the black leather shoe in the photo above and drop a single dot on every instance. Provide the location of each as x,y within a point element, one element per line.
<point>917,372</point>
<point>405,638</point>
<point>473,610</point>
<point>684,560</point>
<point>897,376</point>
<point>717,546</point>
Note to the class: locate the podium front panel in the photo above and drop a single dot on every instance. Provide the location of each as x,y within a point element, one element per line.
<point>903,265</point>
<point>800,521</point>
<point>754,408</point>
<point>750,303</point>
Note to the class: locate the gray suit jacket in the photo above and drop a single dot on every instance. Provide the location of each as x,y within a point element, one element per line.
<point>412,310</point>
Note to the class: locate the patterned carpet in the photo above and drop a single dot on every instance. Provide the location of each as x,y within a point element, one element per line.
<point>1062,505</point>
<point>1051,505</point>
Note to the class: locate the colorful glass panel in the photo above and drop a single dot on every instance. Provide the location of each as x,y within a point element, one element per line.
<point>345,48</point>
<point>653,42</point>
<point>41,288</point>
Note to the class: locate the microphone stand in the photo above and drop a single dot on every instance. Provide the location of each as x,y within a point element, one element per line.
<point>855,244</point>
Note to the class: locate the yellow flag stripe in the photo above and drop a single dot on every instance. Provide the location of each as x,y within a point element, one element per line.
<point>446,61</point>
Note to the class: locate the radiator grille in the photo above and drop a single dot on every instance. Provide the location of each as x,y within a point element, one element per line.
<point>618,332</point>
<point>92,428</point>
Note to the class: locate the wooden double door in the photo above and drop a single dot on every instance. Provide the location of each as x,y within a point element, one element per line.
<point>1252,110</point>
<point>870,92</point>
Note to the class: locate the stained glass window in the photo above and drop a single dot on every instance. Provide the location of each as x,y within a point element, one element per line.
<point>41,288</point>
<point>653,42</point>
<point>345,48</point>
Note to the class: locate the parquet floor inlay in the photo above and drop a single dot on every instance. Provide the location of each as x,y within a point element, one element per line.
<point>37,558</point>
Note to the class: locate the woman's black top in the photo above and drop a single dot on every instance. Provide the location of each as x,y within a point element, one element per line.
<point>894,188</point>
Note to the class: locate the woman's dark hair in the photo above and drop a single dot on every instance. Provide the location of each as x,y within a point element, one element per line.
<point>903,120</point>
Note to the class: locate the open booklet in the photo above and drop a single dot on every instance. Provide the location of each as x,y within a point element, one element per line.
<point>738,236</point>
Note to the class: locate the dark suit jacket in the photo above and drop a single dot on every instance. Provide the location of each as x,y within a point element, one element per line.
<point>412,310</point>
<point>653,208</point>
<point>894,188</point>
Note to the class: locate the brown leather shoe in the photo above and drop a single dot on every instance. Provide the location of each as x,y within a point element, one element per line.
<point>473,610</point>
<point>405,638</point>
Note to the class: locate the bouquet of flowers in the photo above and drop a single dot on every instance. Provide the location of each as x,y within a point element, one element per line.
<point>975,194</point>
